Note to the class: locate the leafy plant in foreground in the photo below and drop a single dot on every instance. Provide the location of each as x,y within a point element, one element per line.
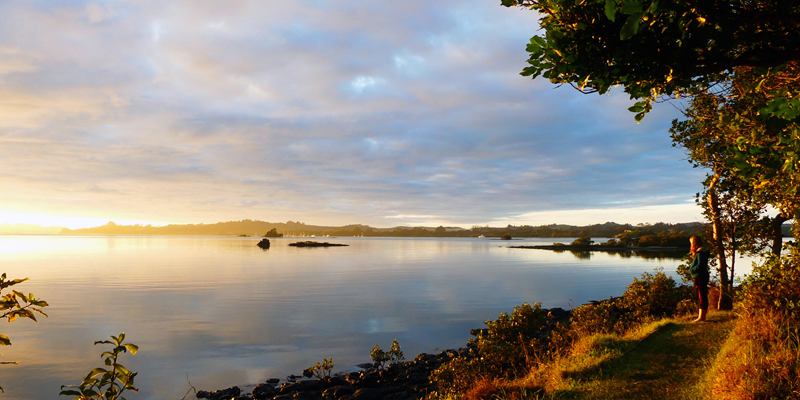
<point>16,304</point>
<point>321,370</point>
<point>108,384</point>
<point>393,356</point>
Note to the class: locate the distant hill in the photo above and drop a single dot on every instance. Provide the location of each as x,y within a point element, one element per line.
<point>24,229</point>
<point>292,228</point>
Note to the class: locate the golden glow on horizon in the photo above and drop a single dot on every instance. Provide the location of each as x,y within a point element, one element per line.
<point>45,220</point>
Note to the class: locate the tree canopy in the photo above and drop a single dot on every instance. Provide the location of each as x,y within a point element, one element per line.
<point>658,48</point>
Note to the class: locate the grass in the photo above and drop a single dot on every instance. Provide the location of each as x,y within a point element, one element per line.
<point>664,359</point>
<point>759,360</point>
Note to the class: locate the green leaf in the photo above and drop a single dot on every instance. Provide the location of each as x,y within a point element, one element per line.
<point>97,371</point>
<point>611,9</point>
<point>631,7</point>
<point>631,26</point>
<point>132,348</point>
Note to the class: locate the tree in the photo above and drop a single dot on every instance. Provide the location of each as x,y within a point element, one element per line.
<point>746,50</point>
<point>654,48</point>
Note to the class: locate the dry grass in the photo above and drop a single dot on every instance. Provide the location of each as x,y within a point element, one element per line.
<point>760,360</point>
<point>663,358</point>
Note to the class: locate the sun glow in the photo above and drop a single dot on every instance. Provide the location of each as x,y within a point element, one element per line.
<point>45,220</point>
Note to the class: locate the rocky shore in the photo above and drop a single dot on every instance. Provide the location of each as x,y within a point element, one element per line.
<point>408,380</point>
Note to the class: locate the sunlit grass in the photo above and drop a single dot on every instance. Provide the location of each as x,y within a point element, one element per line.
<point>760,359</point>
<point>654,360</point>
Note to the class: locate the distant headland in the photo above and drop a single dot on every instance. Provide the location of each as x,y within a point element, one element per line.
<point>249,227</point>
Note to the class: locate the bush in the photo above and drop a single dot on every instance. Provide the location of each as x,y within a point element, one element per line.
<point>774,287</point>
<point>507,348</point>
<point>582,241</point>
<point>652,296</point>
<point>107,384</point>
<point>321,370</point>
<point>602,317</point>
<point>393,356</point>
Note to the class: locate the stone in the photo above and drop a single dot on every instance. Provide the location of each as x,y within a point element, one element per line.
<point>224,394</point>
<point>263,391</point>
<point>367,394</point>
<point>264,243</point>
<point>336,392</point>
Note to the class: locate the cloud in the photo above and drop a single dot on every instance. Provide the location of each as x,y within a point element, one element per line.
<point>318,111</point>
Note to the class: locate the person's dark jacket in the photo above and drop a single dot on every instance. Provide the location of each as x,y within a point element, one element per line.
<point>699,265</point>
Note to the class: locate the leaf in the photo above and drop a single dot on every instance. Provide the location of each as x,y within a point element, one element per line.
<point>5,341</point>
<point>631,7</point>
<point>95,372</point>
<point>611,10</point>
<point>631,26</point>
<point>132,348</point>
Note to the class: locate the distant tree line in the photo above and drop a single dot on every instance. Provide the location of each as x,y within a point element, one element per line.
<point>626,233</point>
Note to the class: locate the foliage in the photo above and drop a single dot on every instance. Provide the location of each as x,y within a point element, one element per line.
<point>16,304</point>
<point>102,383</point>
<point>321,370</point>
<point>512,342</point>
<point>393,356</point>
<point>654,296</point>
<point>746,133</point>
<point>582,241</point>
<point>508,347</point>
<point>655,48</point>
<point>273,233</point>
<point>601,317</point>
<point>774,287</point>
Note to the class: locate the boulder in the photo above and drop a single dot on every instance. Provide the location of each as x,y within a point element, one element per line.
<point>263,391</point>
<point>264,243</point>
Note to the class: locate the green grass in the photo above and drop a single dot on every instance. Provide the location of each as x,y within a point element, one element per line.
<point>661,360</point>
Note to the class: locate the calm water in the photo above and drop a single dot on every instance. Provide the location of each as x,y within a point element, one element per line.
<point>223,312</point>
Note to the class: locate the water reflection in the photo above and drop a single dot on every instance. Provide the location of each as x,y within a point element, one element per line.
<point>224,312</point>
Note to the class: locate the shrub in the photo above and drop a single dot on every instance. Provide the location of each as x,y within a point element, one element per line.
<point>508,347</point>
<point>652,296</point>
<point>321,370</point>
<point>582,241</point>
<point>601,317</point>
<point>103,383</point>
<point>774,287</point>
<point>393,356</point>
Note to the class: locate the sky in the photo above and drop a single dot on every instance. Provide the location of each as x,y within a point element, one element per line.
<point>325,112</point>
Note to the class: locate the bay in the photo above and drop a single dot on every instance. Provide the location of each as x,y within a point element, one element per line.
<point>215,312</point>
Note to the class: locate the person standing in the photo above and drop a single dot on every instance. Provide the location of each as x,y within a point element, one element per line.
<point>698,269</point>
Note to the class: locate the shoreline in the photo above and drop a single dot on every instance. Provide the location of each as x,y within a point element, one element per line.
<point>405,380</point>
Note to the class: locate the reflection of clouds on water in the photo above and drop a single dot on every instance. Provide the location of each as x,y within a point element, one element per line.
<point>385,325</point>
<point>223,312</point>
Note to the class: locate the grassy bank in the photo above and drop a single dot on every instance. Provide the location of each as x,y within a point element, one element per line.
<point>663,359</point>
<point>642,345</point>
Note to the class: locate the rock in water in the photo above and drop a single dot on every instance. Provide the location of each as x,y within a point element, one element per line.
<point>264,243</point>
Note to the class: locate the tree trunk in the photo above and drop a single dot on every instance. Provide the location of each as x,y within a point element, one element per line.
<point>777,234</point>
<point>725,298</point>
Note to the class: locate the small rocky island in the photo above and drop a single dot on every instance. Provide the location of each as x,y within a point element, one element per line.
<point>316,244</point>
<point>264,243</point>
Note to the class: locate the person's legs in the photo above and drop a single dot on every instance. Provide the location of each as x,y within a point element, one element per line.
<point>701,284</point>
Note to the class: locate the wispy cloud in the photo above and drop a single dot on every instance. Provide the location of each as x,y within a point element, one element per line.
<point>329,112</point>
